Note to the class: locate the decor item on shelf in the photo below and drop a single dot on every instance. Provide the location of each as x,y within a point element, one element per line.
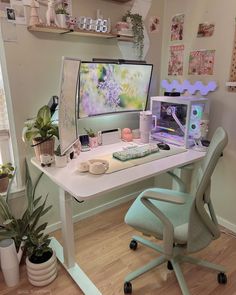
<point>34,17</point>
<point>10,261</point>
<point>51,14</point>
<point>61,15</point>
<point>42,132</point>
<point>6,173</point>
<point>137,27</point>
<point>93,139</point>
<point>60,160</point>
<point>41,261</point>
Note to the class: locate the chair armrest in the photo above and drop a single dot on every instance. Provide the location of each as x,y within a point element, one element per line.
<point>178,180</point>
<point>163,197</point>
<point>168,228</point>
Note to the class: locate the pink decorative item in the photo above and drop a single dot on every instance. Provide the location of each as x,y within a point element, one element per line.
<point>126,134</point>
<point>72,23</point>
<point>93,142</point>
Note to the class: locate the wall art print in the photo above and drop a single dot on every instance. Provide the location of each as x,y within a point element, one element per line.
<point>201,62</point>
<point>175,64</point>
<point>177,27</point>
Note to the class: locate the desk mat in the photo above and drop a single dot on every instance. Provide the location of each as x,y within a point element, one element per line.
<point>116,165</point>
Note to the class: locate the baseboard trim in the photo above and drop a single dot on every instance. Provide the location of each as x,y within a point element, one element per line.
<point>57,225</point>
<point>225,223</point>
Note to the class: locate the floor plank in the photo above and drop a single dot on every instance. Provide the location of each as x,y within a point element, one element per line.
<point>103,253</point>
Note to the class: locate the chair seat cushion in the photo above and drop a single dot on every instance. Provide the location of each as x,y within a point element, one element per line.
<point>143,220</point>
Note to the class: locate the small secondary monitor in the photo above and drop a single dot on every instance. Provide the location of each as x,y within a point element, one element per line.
<point>108,87</point>
<point>68,103</point>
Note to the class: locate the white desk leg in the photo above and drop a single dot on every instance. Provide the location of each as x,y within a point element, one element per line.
<point>66,254</point>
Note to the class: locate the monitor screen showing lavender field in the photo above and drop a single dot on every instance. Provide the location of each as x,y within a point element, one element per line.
<point>110,88</point>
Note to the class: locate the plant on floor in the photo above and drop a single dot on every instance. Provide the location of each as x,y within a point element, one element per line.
<point>137,28</point>
<point>19,227</point>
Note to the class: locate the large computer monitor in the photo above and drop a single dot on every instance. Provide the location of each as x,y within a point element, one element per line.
<point>113,87</point>
<point>68,103</point>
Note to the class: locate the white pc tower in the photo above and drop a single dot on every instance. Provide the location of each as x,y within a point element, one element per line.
<point>177,119</point>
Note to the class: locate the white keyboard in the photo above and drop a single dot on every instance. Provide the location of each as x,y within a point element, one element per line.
<point>134,152</point>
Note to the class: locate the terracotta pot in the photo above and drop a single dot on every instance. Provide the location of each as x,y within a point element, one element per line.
<point>42,274</point>
<point>43,147</point>
<point>4,181</point>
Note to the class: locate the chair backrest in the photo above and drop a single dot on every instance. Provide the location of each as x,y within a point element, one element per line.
<point>203,226</point>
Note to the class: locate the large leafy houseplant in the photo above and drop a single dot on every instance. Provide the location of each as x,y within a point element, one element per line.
<point>42,132</point>
<point>42,127</point>
<point>137,28</point>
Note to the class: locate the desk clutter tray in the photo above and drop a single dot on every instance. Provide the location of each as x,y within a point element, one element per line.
<point>135,152</point>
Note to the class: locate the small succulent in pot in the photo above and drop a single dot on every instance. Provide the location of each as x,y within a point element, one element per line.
<point>90,132</point>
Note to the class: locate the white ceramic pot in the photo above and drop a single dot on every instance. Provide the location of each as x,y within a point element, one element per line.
<point>61,19</point>
<point>42,274</point>
<point>61,161</point>
<point>9,262</point>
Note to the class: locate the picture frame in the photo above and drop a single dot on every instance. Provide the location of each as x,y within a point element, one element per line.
<point>68,103</point>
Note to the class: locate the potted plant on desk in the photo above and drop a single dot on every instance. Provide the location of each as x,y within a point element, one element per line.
<point>42,132</point>
<point>6,173</point>
<point>93,139</point>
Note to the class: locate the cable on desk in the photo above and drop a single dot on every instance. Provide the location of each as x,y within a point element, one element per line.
<point>78,200</point>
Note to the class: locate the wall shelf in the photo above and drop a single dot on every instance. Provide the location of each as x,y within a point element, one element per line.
<point>56,30</point>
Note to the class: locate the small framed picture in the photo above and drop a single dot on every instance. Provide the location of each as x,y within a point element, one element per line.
<point>11,17</point>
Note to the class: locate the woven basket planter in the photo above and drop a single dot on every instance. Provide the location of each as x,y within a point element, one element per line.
<point>42,147</point>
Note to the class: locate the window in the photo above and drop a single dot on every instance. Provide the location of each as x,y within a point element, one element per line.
<point>5,144</point>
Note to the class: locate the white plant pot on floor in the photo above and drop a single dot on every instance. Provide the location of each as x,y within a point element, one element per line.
<point>42,274</point>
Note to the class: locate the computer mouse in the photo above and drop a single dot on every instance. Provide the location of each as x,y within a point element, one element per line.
<point>163,146</point>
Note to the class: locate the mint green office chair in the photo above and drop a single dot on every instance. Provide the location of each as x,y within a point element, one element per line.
<point>179,219</point>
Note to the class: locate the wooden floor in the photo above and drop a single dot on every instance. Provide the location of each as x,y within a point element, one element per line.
<point>102,251</point>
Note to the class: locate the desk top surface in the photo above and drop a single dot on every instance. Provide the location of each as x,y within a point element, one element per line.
<point>85,185</point>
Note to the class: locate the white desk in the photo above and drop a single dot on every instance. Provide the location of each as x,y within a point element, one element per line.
<point>85,186</point>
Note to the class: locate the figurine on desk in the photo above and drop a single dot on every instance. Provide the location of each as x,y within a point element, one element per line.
<point>126,135</point>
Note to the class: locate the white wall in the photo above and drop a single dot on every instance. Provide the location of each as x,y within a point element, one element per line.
<point>33,66</point>
<point>222,102</point>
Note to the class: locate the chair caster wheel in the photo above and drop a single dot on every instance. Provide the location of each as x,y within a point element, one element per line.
<point>133,245</point>
<point>169,265</point>
<point>222,278</point>
<point>127,288</point>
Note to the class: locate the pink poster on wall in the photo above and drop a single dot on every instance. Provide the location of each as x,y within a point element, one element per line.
<point>177,27</point>
<point>201,62</point>
<point>175,65</point>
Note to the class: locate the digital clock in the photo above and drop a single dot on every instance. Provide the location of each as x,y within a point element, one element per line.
<point>89,24</point>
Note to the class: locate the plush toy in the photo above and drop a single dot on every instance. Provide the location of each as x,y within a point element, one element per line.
<point>72,23</point>
<point>126,134</point>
